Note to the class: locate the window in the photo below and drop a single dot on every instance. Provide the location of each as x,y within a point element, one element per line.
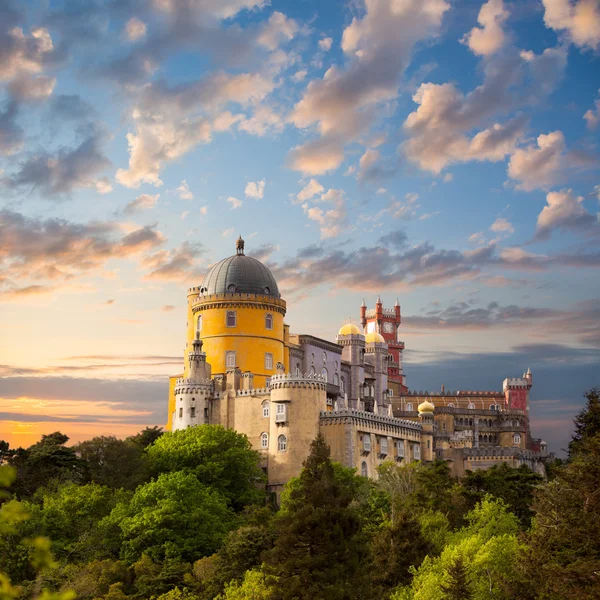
<point>471,406</point>
<point>265,407</point>
<point>199,324</point>
<point>269,321</point>
<point>230,359</point>
<point>367,442</point>
<point>297,369</point>
<point>400,448</point>
<point>268,361</point>
<point>336,365</point>
<point>324,374</point>
<point>428,444</point>
<point>363,469</point>
<point>231,318</point>
<point>324,357</point>
<point>336,379</point>
<point>282,443</point>
<point>517,439</point>
<point>206,415</point>
<point>312,357</point>
<point>383,446</point>
<point>409,407</point>
<point>417,451</point>
<point>264,440</point>
<point>193,412</point>
<point>450,405</point>
<point>390,393</point>
<point>342,385</point>
<point>181,413</point>
<point>312,370</point>
<point>281,413</point>
<point>268,382</point>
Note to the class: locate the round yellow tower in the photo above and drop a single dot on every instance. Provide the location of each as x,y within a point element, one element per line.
<point>239,313</point>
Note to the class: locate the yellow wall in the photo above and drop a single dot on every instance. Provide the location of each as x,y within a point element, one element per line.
<point>171,405</point>
<point>249,339</point>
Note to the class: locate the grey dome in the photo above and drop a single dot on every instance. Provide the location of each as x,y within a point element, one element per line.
<point>239,274</point>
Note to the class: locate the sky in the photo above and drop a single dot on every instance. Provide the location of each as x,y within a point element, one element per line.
<point>442,152</point>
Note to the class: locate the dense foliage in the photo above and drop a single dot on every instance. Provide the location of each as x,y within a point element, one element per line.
<point>184,516</point>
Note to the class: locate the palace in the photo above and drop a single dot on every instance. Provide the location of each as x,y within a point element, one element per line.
<point>244,369</point>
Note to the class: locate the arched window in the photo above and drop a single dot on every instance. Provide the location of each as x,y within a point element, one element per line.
<point>336,379</point>
<point>324,374</point>
<point>517,439</point>
<point>312,358</point>
<point>297,369</point>
<point>269,321</point>
<point>324,357</point>
<point>230,359</point>
<point>231,318</point>
<point>282,443</point>
<point>364,471</point>
<point>199,323</point>
<point>265,408</point>
<point>264,440</point>
<point>268,361</point>
<point>409,406</point>
<point>471,406</point>
<point>342,385</point>
<point>450,405</point>
<point>312,370</point>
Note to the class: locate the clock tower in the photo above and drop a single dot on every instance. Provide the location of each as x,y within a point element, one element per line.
<point>387,322</point>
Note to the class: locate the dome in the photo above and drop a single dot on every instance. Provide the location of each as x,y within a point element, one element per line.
<point>349,329</point>
<point>374,338</point>
<point>240,274</point>
<point>426,407</point>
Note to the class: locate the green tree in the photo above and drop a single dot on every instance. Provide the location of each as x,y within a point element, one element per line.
<point>587,422</point>
<point>320,550</point>
<point>253,587</point>
<point>175,516</point>
<point>147,436</point>
<point>220,458</point>
<point>457,585</point>
<point>114,463</point>
<point>47,460</point>
<point>5,452</point>
<point>565,535</point>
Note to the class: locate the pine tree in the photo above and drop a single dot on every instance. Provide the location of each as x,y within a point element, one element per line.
<point>587,422</point>
<point>457,587</point>
<point>320,550</point>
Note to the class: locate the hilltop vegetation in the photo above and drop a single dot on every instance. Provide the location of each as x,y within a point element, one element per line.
<point>183,516</point>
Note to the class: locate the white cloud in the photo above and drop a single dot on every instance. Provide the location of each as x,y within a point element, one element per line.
<point>183,216</point>
<point>592,116</point>
<point>135,29</point>
<point>477,238</point>
<point>184,191</point>
<point>448,177</point>
<point>300,75</point>
<point>204,210</point>
<point>255,189</point>
<point>235,203</point>
<point>563,211</point>
<point>32,88</point>
<point>263,120</point>
<point>227,232</point>
<point>103,185</point>
<point>312,188</point>
<point>277,30</point>
<point>580,20</point>
<point>488,38</point>
<point>143,202</point>
<point>325,44</point>
<point>502,225</point>
<point>331,222</point>
<point>24,54</point>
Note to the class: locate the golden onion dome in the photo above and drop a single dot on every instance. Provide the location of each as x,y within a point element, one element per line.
<point>374,338</point>
<point>349,329</point>
<point>426,407</point>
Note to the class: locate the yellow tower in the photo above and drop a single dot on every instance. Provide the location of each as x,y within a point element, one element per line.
<point>239,313</point>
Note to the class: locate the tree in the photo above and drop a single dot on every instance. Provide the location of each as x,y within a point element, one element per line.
<point>457,584</point>
<point>47,460</point>
<point>114,463</point>
<point>175,516</point>
<point>253,587</point>
<point>147,436</point>
<point>220,458</point>
<point>5,452</point>
<point>587,422</point>
<point>565,535</point>
<point>320,550</point>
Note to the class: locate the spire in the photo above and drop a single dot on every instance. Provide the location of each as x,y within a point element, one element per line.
<point>239,246</point>
<point>378,299</point>
<point>364,304</point>
<point>529,371</point>
<point>397,303</point>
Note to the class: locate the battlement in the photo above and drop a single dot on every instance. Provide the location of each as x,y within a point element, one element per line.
<point>283,380</point>
<point>188,381</point>
<point>513,383</point>
<point>254,392</point>
<point>446,393</point>
<point>349,413</point>
<point>234,298</point>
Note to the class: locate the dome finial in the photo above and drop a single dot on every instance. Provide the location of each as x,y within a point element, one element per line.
<point>239,245</point>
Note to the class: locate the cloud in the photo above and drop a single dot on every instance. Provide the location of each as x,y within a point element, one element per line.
<point>263,252</point>
<point>204,210</point>
<point>135,29</point>
<point>311,189</point>
<point>332,221</point>
<point>22,54</point>
<point>255,189</point>
<point>65,170</point>
<point>580,20</point>
<point>11,134</point>
<point>227,232</point>
<point>546,164</point>
<point>167,308</point>
<point>378,46</point>
<point>143,202</point>
<point>184,191</point>
<point>502,225</point>
<point>488,38</point>
<point>325,44</point>
<point>235,203</point>
<point>177,264</point>
<point>592,116</point>
<point>372,168</point>
<point>299,75</point>
<point>32,88</point>
<point>563,211</point>
<point>277,30</point>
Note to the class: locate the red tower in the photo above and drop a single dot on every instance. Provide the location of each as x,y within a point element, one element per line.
<point>387,322</point>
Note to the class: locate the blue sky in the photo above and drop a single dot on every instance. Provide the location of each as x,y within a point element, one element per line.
<point>445,153</point>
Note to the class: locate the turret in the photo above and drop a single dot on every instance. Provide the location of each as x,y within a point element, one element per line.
<point>397,312</point>
<point>363,314</point>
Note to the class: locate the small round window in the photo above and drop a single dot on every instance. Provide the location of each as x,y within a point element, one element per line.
<point>231,288</point>
<point>267,290</point>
